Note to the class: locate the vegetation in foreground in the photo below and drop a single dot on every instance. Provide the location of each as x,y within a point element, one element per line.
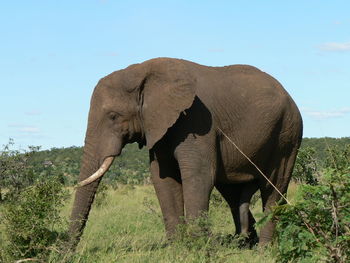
<point>126,226</point>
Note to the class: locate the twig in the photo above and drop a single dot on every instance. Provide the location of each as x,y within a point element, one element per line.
<point>331,153</point>
<point>267,179</point>
<point>26,260</point>
<point>300,214</point>
<point>335,211</point>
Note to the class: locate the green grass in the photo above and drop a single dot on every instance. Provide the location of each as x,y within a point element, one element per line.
<point>128,227</point>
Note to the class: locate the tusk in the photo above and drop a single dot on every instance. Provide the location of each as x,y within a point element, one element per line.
<point>100,172</point>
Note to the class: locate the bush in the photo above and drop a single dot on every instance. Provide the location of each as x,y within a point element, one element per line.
<point>16,171</point>
<point>306,167</point>
<point>338,158</point>
<point>31,220</point>
<point>317,226</point>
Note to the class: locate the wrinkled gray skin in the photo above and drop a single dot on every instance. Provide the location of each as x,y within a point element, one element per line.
<point>175,108</point>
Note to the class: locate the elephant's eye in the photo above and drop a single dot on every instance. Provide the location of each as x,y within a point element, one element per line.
<point>113,116</point>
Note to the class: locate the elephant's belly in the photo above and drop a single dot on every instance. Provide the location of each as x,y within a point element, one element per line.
<point>236,178</point>
<point>237,168</point>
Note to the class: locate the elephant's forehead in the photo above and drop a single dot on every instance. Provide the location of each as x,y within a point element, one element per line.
<point>109,95</point>
<point>109,99</point>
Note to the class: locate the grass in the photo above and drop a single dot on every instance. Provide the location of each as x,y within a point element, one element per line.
<point>128,227</point>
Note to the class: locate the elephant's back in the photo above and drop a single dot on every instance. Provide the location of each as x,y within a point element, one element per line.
<point>240,89</point>
<point>251,108</point>
<point>248,99</point>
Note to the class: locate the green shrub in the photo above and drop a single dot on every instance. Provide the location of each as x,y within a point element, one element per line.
<point>306,167</point>
<point>216,198</point>
<point>316,228</point>
<point>16,170</point>
<point>31,220</point>
<point>338,158</point>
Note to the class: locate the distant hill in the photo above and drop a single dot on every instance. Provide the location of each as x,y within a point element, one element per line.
<point>132,165</point>
<point>322,144</point>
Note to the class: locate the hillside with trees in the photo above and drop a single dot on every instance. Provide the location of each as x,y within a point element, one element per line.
<point>322,145</point>
<point>132,166</point>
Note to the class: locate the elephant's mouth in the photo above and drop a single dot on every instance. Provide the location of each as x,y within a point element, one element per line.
<point>99,173</point>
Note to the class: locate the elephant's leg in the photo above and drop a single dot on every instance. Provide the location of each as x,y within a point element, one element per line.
<point>197,187</point>
<point>238,198</point>
<point>269,197</point>
<point>246,218</point>
<point>197,174</point>
<point>231,193</point>
<point>165,176</point>
<point>280,174</point>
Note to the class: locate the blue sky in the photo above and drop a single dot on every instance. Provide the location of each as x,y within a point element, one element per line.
<point>52,53</point>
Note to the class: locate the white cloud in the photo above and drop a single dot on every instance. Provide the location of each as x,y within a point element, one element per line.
<point>323,115</point>
<point>112,54</point>
<point>29,129</point>
<point>109,54</point>
<point>25,128</point>
<point>335,46</point>
<point>33,112</point>
<point>216,50</point>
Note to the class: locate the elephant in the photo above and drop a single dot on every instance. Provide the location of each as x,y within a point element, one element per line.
<point>204,127</point>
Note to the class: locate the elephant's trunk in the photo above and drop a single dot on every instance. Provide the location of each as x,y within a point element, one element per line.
<point>84,196</point>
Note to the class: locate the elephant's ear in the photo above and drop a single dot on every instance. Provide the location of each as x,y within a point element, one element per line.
<point>168,90</point>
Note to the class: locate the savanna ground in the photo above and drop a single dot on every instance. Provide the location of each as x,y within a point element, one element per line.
<point>125,225</point>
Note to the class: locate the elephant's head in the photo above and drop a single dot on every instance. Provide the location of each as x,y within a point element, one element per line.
<point>136,104</point>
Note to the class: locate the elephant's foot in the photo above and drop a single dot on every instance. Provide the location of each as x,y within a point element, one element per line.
<point>247,240</point>
<point>266,234</point>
